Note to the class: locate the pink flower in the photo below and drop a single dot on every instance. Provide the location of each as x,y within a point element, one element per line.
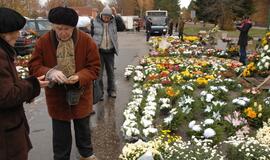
<point>236,122</point>
<point>228,118</point>
<point>153,53</point>
<point>236,114</point>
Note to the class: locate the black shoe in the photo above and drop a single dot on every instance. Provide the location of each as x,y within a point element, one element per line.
<point>112,94</point>
<point>93,112</point>
<point>102,98</point>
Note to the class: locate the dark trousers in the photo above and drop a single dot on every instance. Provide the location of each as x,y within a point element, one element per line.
<point>148,35</point>
<point>62,138</point>
<point>107,62</point>
<point>181,36</point>
<point>243,54</point>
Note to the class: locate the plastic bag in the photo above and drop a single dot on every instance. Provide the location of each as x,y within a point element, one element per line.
<point>164,44</point>
<point>147,156</point>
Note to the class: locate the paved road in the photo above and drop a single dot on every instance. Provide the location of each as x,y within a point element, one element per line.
<point>106,123</point>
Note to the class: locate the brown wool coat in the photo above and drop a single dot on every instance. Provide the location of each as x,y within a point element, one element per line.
<point>87,65</point>
<point>14,129</point>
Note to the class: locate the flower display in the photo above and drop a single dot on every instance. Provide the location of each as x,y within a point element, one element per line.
<point>263,135</point>
<point>194,149</point>
<point>238,123</point>
<point>21,65</point>
<point>190,90</point>
<point>203,129</point>
<point>241,101</point>
<point>249,69</point>
<point>266,39</point>
<point>246,148</point>
<point>263,64</point>
<point>128,71</point>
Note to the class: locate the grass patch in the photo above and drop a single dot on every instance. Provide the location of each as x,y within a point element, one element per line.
<point>191,29</point>
<point>254,32</point>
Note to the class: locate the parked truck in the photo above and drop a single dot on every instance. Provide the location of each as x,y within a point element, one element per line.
<point>159,20</point>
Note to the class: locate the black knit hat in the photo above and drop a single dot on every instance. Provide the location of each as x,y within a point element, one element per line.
<point>63,15</point>
<point>10,20</point>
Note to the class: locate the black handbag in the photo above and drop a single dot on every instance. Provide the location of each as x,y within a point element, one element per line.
<point>97,92</point>
<point>73,94</point>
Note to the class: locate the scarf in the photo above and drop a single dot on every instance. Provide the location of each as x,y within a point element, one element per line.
<point>65,54</point>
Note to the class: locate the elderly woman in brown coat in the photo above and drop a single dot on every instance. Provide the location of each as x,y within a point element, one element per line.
<point>14,129</point>
<point>70,60</point>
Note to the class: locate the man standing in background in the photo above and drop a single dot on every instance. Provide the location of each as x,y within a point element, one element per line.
<point>148,25</point>
<point>104,31</point>
<point>181,24</point>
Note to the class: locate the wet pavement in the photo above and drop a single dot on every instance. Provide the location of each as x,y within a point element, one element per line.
<point>105,123</point>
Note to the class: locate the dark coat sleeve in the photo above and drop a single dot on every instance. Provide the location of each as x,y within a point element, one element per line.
<point>15,92</point>
<point>243,37</point>
<point>120,23</point>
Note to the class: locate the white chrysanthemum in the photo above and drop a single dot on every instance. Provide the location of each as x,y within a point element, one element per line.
<point>209,132</point>
<point>209,121</point>
<point>266,47</point>
<point>197,128</point>
<point>191,124</point>
<point>203,93</point>
<point>266,65</point>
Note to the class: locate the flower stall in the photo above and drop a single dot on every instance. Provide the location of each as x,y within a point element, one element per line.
<point>185,89</point>
<point>21,65</point>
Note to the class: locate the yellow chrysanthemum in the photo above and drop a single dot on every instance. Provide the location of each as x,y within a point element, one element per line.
<point>202,81</point>
<point>209,77</point>
<point>186,73</point>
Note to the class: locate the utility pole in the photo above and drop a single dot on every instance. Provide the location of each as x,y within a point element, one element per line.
<point>65,3</point>
<point>268,22</point>
<point>142,9</point>
<point>29,11</point>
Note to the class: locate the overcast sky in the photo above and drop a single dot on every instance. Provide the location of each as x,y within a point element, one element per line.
<point>184,3</point>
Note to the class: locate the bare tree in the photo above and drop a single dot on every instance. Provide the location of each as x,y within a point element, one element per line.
<point>25,7</point>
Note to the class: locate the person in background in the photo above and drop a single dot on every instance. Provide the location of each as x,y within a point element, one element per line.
<point>244,28</point>
<point>14,129</point>
<point>170,31</point>
<point>181,25</point>
<point>148,25</point>
<point>104,31</point>
<point>69,58</point>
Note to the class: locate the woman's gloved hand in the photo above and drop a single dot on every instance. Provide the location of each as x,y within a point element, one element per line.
<point>56,76</point>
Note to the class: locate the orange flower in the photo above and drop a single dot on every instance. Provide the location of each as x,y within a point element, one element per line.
<point>153,76</point>
<point>250,113</point>
<point>198,72</point>
<point>170,92</point>
<point>164,73</point>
